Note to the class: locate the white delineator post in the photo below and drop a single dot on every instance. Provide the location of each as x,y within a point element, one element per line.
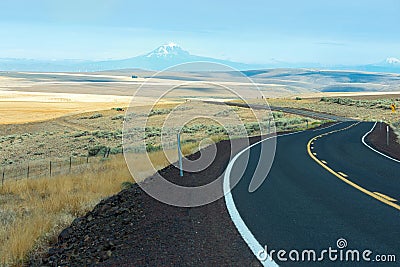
<point>180,155</point>
<point>387,135</point>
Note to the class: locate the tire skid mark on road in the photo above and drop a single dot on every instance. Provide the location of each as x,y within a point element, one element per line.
<point>382,198</point>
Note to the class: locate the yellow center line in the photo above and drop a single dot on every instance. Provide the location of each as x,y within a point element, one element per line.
<point>358,187</point>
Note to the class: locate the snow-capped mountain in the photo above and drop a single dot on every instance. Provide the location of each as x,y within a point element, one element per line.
<point>164,56</point>
<point>392,60</point>
<point>168,50</point>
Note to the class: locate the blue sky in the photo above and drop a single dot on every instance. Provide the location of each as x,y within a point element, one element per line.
<point>326,32</point>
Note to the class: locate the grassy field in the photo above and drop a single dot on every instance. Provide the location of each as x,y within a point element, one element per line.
<point>34,211</point>
<point>82,134</point>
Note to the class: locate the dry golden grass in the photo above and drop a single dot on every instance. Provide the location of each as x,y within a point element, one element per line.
<point>38,207</point>
<point>22,107</point>
<point>33,211</point>
<point>23,112</point>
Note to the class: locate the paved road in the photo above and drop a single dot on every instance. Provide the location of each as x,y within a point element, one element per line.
<point>301,205</point>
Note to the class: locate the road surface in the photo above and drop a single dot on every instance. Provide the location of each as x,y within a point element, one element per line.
<point>322,188</point>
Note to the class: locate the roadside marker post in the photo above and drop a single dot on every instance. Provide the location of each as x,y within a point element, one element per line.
<point>387,135</point>
<point>70,164</point>
<point>180,155</point>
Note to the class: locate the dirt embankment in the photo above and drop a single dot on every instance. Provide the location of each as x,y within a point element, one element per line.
<point>133,229</point>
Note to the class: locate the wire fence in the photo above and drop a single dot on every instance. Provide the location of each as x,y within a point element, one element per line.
<point>46,168</point>
<point>62,166</point>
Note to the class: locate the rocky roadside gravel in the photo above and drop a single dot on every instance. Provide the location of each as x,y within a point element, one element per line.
<point>133,229</point>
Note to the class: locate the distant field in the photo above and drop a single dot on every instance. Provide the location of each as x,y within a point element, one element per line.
<point>273,83</point>
<point>21,107</point>
<point>77,135</point>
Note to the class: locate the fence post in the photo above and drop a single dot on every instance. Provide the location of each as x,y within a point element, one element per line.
<point>70,163</point>
<point>2,179</point>
<point>50,168</point>
<point>27,172</point>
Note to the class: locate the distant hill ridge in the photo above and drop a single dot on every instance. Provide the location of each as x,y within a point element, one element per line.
<point>168,55</point>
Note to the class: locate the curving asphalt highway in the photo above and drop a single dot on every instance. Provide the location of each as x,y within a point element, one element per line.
<point>324,185</point>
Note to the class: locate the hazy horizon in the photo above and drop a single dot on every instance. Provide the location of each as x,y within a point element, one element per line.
<point>258,32</point>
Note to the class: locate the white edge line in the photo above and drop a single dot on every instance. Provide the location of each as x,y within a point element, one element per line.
<point>244,231</point>
<point>382,154</point>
